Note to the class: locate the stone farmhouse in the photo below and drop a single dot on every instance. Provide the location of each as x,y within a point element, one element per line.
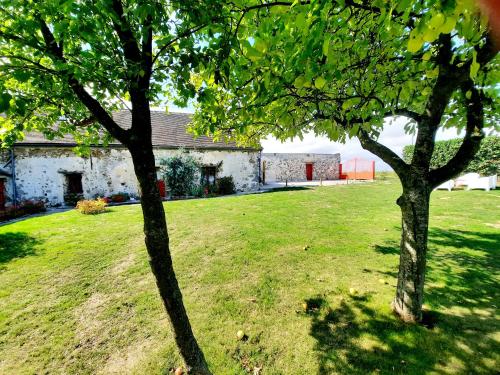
<point>48,170</point>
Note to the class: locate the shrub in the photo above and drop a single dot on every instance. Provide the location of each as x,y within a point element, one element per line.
<point>92,207</point>
<point>28,207</point>
<point>486,162</point>
<point>225,185</point>
<point>179,173</point>
<point>120,197</point>
<point>72,199</point>
<point>198,191</point>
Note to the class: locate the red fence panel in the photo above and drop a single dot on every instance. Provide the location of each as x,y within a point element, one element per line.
<point>357,169</point>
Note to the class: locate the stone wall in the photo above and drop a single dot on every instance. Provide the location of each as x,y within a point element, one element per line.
<point>41,171</point>
<point>292,167</point>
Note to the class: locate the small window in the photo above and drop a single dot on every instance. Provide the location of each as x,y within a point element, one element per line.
<point>208,175</point>
<point>74,183</point>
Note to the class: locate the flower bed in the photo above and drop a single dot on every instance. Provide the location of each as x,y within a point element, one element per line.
<point>28,207</point>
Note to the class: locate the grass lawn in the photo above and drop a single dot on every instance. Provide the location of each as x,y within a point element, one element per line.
<point>77,295</point>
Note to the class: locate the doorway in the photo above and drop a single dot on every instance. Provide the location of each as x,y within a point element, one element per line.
<point>309,171</point>
<point>74,183</point>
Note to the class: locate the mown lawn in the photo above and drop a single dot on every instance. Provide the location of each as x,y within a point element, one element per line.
<point>77,296</point>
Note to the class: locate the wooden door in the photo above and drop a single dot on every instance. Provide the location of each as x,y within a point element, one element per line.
<point>163,189</point>
<point>2,194</point>
<point>309,171</point>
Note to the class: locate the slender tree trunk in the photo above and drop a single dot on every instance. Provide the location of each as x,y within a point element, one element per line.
<point>157,244</point>
<point>414,203</point>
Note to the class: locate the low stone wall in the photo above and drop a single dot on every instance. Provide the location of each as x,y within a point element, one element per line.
<point>279,167</point>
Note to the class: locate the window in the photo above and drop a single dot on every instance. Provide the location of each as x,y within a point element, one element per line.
<point>74,183</point>
<point>208,175</point>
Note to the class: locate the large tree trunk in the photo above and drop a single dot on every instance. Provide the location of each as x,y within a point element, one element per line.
<point>414,203</point>
<point>157,244</point>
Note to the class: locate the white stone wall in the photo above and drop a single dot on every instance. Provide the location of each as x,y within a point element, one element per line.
<point>40,170</point>
<point>292,167</point>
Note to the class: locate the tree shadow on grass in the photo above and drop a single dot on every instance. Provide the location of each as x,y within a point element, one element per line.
<point>462,282</point>
<point>466,276</point>
<point>388,248</point>
<point>285,189</point>
<point>461,268</point>
<point>15,245</point>
<point>354,338</point>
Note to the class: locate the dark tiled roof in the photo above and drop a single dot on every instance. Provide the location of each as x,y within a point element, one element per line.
<point>169,131</point>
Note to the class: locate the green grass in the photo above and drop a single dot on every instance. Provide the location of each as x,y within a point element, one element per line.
<point>77,296</point>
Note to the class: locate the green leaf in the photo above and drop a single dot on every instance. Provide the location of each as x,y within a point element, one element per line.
<point>437,20</point>
<point>253,54</point>
<point>319,83</point>
<point>414,44</point>
<point>474,66</point>
<point>5,101</point>
<point>354,130</point>
<point>448,25</point>
<point>432,73</point>
<point>300,21</point>
<point>260,45</point>
<point>299,82</point>
<point>326,45</point>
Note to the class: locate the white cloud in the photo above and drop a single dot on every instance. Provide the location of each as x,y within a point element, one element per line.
<point>393,136</point>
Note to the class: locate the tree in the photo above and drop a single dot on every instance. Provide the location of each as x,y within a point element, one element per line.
<point>66,65</point>
<point>486,161</point>
<point>340,68</point>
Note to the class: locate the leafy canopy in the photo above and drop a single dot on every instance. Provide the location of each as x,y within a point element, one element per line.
<point>109,48</point>
<point>335,67</point>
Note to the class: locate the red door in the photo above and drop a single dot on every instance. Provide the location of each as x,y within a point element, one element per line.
<point>162,188</point>
<point>2,195</point>
<point>309,171</point>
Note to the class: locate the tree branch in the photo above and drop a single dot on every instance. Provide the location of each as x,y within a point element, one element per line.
<point>127,38</point>
<point>362,5</point>
<point>405,112</point>
<point>92,104</point>
<point>387,155</point>
<point>472,140</point>
<point>147,53</point>
<point>177,38</point>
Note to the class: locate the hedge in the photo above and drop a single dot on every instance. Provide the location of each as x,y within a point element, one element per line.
<point>486,162</point>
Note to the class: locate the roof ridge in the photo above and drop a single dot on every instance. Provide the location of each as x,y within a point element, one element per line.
<point>168,128</point>
<point>160,111</point>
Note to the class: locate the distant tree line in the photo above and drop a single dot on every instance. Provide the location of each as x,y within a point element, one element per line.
<point>486,162</point>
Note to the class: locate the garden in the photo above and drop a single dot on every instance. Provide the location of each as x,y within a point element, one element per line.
<point>307,275</point>
<point>293,281</point>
